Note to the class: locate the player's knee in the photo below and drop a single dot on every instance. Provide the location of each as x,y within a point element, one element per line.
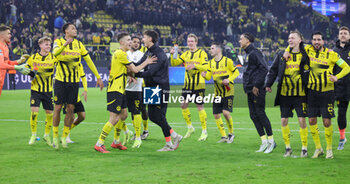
<point>184,105</point>
<point>284,121</point>
<point>81,116</point>
<point>327,122</point>
<point>217,116</point>
<point>312,121</point>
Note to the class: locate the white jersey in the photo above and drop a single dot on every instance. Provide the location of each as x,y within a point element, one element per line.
<point>134,57</point>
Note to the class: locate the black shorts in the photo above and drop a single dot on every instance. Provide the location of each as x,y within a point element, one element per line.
<point>320,103</point>
<point>78,107</point>
<point>288,103</point>
<point>65,92</point>
<point>116,102</point>
<point>226,104</point>
<point>187,94</point>
<point>134,101</point>
<point>44,97</point>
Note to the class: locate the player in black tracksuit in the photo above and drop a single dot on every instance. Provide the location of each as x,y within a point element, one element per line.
<point>255,70</point>
<point>158,75</point>
<point>342,86</point>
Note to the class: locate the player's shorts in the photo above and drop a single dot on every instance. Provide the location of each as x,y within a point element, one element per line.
<point>45,97</point>
<point>320,103</point>
<point>134,101</point>
<point>188,94</point>
<point>65,92</point>
<point>226,104</point>
<point>288,103</point>
<point>116,102</point>
<point>78,107</point>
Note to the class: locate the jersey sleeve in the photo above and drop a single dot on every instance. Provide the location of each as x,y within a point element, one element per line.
<point>209,74</point>
<point>29,63</point>
<point>4,65</point>
<point>177,61</point>
<point>83,77</point>
<point>57,47</point>
<point>122,58</point>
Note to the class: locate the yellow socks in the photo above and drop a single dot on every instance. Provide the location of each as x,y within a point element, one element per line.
<point>33,122</point>
<point>328,131</point>
<point>48,124</point>
<point>105,131</point>
<point>315,136</point>
<point>230,125</point>
<point>220,126</point>
<point>55,131</point>
<point>303,136</point>
<point>137,122</point>
<point>145,125</point>
<point>286,135</point>
<point>117,129</point>
<point>73,125</point>
<point>187,116</point>
<point>203,119</point>
<point>66,130</point>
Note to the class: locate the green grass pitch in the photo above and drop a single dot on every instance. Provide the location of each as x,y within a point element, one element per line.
<point>193,162</point>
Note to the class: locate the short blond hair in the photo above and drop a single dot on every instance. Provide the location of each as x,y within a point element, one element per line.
<point>193,36</point>
<point>44,39</point>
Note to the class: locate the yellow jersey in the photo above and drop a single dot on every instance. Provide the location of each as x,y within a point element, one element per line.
<point>220,70</point>
<point>193,78</point>
<point>45,68</point>
<point>292,80</point>
<point>118,75</point>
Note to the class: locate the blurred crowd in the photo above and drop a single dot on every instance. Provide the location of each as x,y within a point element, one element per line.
<point>219,20</point>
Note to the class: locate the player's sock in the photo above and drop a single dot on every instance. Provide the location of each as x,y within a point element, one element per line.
<point>137,122</point>
<point>203,119</point>
<point>328,131</point>
<point>34,122</point>
<point>66,130</point>
<point>173,133</point>
<point>105,131</point>
<point>342,133</point>
<point>230,125</point>
<point>73,125</point>
<point>315,135</point>
<point>124,127</point>
<point>145,124</point>
<point>48,124</point>
<point>286,135</point>
<point>270,139</point>
<point>187,116</point>
<point>263,139</point>
<point>220,126</point>
<point>303,136</point>
<point>55,131</point>
<point>168,141</point>
<point>117,129</point>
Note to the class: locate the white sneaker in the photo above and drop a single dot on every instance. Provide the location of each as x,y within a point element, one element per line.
<point>329,154</point>
<point>341,144</point>
<point>189,132</point>
<point>303,153</point>
<point>223,139</point>
<point>263,147</point>
<point>69,141</point>
<point>318,152</point>
<point>270,147</point>
<point>32,139</point>
<point>230,138</point>
<point>166,148</point>
<point>288,152</point>
<point>177,141</point>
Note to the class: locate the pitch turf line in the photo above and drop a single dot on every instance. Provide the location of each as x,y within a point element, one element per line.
<point>175,124</point>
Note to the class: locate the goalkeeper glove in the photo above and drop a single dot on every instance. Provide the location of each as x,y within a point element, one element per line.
<point>22,69</point>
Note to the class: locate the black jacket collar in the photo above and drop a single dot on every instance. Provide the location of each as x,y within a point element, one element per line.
<point>249,48</point>
<point>338,44</point>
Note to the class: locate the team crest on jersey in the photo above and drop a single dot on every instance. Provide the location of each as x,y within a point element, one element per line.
<point>119,108</point>
<point>55,98</point>
<point>306,67</point>
<point>33,101</point>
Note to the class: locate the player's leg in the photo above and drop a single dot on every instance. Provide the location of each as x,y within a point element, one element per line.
<point>187,116</point>
<point>301,109</point>
<point>327,112</point>
<point>107,128</point>
<point>217,110</point>
<point>144,115</point>
<point>59,99</point>
<point>257,123</point>
<point>328,131</point>
<point>48,106</point>
<point>227,110</point>
<point>202,115</point>
<point>34,106</point>
<point>286,109</point>
<point>342,109</point>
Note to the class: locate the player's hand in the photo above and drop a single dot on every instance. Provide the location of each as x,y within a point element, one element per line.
<point>190,67</point>
<point>268,89</point>
<point>22,69</point>
<point>172,50</point>
<point>204,73</point>
<point>225,82</point>
<point>286,55</point>
<point>132,80</point>
<point>255,91</point>
<point>69,41</point>
<point>84,94</point>
<point>332,78</point>
<point>23,58</point>
<point>151,60</point>
<point>99,83</point>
